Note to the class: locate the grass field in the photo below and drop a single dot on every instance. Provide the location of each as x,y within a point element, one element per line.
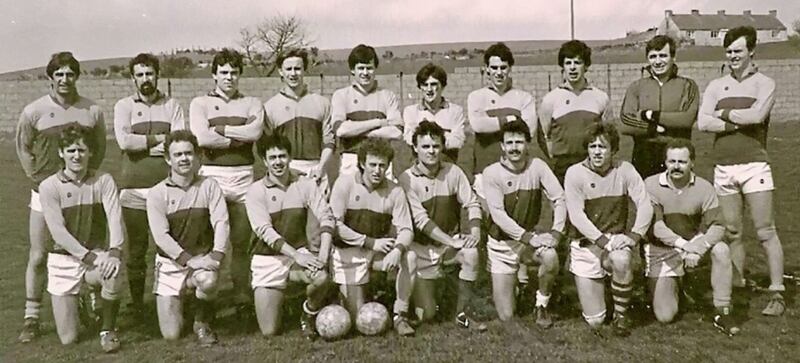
<point>692,338</point>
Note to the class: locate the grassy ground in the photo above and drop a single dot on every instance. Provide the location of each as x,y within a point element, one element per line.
<point>692,338</point>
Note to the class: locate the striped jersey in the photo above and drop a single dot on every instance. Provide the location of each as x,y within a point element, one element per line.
<point>514,199</point>
<point>487,111</point>
<point>685,212</point>
<point>363,215</point>
<point>136,125</point>
<point>280,214</point>
<point>226,128</point>
<point>304,120</point>
<point>448,115</point>
<point>354,104</point>
<point>597,204</point>
<point>741,132</point>
<point>187,222</point>
<point>81,213</point>
<point>436,199</point>
<point>564,115</point>
<point>40,126</point>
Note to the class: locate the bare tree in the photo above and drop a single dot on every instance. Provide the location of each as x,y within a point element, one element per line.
<point>264,42</point>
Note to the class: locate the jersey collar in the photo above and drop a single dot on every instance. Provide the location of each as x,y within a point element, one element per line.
<point>288,94</point>
<point>225,98</point>
<point>752,69</point>
<point>423,106</point>
<point>419,169</point>
<point>272,182</point>
<point>137,97</point>
<point>510,86</point>
<point>357,86</point>
<point>507,165</point>
<point>168,181</point>
<point>671,73</point>
<point>663,180</point>
<point>64,178</point>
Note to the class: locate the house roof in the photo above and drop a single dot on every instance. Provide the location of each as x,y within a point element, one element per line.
<point>719,21</point>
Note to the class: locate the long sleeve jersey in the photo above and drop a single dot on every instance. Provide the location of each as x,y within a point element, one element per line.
<point>449,116</point>
<point>674,104</point>
<point>487,111</point>
<point>304,120</point>
<point>363,215</point>
<point>745,104</point>
<point>564,116</point>
<point>191,221</point>
<point>40,126</point>
<point>137,123</point>
<point>597,204</point>
<point>514,199</point>
<point>242,120</point>
<point>79,213</point>
<point>354,104</point>
<point>280,214</point>
<point>684,213</point>
<point>437,198</point>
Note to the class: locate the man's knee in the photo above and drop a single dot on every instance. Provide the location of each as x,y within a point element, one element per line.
<point>620,260</point>
<point>721,253</point>
<point>733,232</point>
<point>549,260</point>
<point>206,284</point>
<point>469,256</point>
<point>766,233</point>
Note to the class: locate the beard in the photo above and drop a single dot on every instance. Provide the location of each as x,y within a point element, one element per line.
<point>147,88</point>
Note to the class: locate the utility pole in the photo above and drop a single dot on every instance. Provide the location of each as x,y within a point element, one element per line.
<point>572,19</point>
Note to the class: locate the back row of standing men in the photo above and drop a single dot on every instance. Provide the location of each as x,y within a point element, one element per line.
<point>305,128</point>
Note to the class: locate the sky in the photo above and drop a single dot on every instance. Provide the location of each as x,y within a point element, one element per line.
<point>32,30</point>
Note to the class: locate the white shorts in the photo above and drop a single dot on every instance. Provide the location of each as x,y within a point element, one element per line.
<point>35,204</point>
<point>352,265</point>
<point>745,178</point>
<point>585,261</point>
<point>303,165</point>
<point>430,259</point>
<point>170,278</point>
<point>477,185</point>
<point>273,271</point>
<point>503,259</point>
<point>233,180</point>
<point>349,166</point>
<point>65,273</point>
<point>662,261</point>
<point>135,198</point>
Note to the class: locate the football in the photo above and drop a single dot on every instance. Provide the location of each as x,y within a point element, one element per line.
<point>333,322</point>
<point>373,318</point>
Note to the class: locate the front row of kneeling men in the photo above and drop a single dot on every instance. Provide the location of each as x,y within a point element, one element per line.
<point>369,222</point>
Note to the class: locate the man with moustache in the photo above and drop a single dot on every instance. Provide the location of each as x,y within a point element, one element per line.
<point>37,135</point>
<point>736,109</point>
<point>141,123</point>
<point>658,107</point>
<point>687,224</point>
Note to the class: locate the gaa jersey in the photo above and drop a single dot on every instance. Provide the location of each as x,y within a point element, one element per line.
<point>136,125</point>
<point>564,115</point>
<point>514,199</point>
<point>686,212</point>
<point>354,104</point>
<point>597,203</point>
<point>741,131</point>
<point>81,213</point>
<point>437,198</point>
<point>448,115</point>
<point>226,128</point>
<point>279,214</point>
<point>363,214</point>
<point>487,111</point>
<point>190,221</point>
<point>304,120</point>
<point>39,129</point>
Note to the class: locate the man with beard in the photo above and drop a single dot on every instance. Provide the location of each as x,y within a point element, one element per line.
<point>660,106</point>
<point>598,191</point>
<point>227,124</point>
<point>687,224</point>
<point>38,130</point>
<point>736,109</point>
<point>141,123</point>
<point>301,116</point>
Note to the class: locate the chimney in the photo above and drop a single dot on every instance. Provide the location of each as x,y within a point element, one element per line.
<point>720,12</point>
<point>773,13</point>
<point>667,13</point>
<point>747,12</point>
<point>695,12</point>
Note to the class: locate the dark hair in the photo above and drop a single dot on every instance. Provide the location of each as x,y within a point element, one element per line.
<point>362,54</point>
<point>377,147</point>
<point>680,143</point>
<point>272,141</point>
<point>658,42</point>
<point>429,128</point>
<point>177,136</point>
<point>62,59</point>
<point>498,50</point>
<point>146,59</point>
<point>748,32</point>
<point>573,49</point>
<point>601,129</point>
<point>516,127</point>
<point>227,56</point>
<point>294,52</point>
<point>431,70</point>
<point>74,133</point>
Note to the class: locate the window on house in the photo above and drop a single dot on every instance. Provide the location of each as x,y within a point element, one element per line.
<point>690,33</point>
<point>715,34</point>
<point>775,33</point>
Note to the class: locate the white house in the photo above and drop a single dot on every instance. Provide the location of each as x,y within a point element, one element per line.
<point>710,29</point>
